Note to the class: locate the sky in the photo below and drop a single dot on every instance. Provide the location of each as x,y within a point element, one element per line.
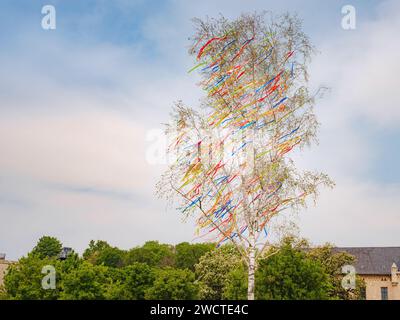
<point>77,104</point>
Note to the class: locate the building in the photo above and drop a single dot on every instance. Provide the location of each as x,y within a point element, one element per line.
<point>3,266</point>
<point>65,252</point>
<point>379,268</point>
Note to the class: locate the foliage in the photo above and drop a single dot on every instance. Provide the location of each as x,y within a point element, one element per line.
<point>152,253</point>
<point>291,275</point>
<point>289,270</point>
<point>188,255</point>
<point>212,271</point>
<point>101,253</point>
<point>23,280</point>
<point>286,274</point>
<point>278,276</point>
<point>49,247</point>
<point>94,248</point>
<point>86,282</point>
<point>134,280</point>
<point>333,263</point>
<point>3,293</point>
<point>173,284</point>
<point>235,286</point>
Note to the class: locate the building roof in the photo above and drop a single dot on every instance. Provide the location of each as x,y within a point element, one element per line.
<point>373,260</point>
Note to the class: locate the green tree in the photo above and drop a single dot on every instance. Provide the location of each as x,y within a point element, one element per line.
<point>3,293</point>
<point>131,282</point>
<point>286,272</point>
<point>333,262</point>
<point>152,253</point>
<point>101,253</point>
<point>138,278</point>
<point>86,282</point>
<point>173,284</point>
<point>291,275</point>
<point>235,287</point>
<point>23,280</point>
<point>94,248</point>
<point>47,247</point>
<point>188,255</point>
<point>65,267</point>
<point>213,269</point>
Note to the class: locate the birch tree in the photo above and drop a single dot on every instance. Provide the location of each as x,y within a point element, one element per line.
<point>232,167</point>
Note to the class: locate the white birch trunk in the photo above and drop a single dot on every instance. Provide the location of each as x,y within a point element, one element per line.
<point>252,268</point>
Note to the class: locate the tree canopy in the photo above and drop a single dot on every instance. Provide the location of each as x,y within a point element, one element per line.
<point>291,269</point>
<point>49,247</point>
<point>188,255</point>
<point>173,284</point>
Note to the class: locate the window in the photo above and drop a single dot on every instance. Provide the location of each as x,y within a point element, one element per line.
<point>384,293</point>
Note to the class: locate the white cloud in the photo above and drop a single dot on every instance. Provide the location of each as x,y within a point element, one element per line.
<point>85,148</point>
<point>361,68</point>
<point>72,137</point>
<point>355,214</point>
<point>79,176</point>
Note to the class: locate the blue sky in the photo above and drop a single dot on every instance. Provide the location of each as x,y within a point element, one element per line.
<point>77,102</point>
